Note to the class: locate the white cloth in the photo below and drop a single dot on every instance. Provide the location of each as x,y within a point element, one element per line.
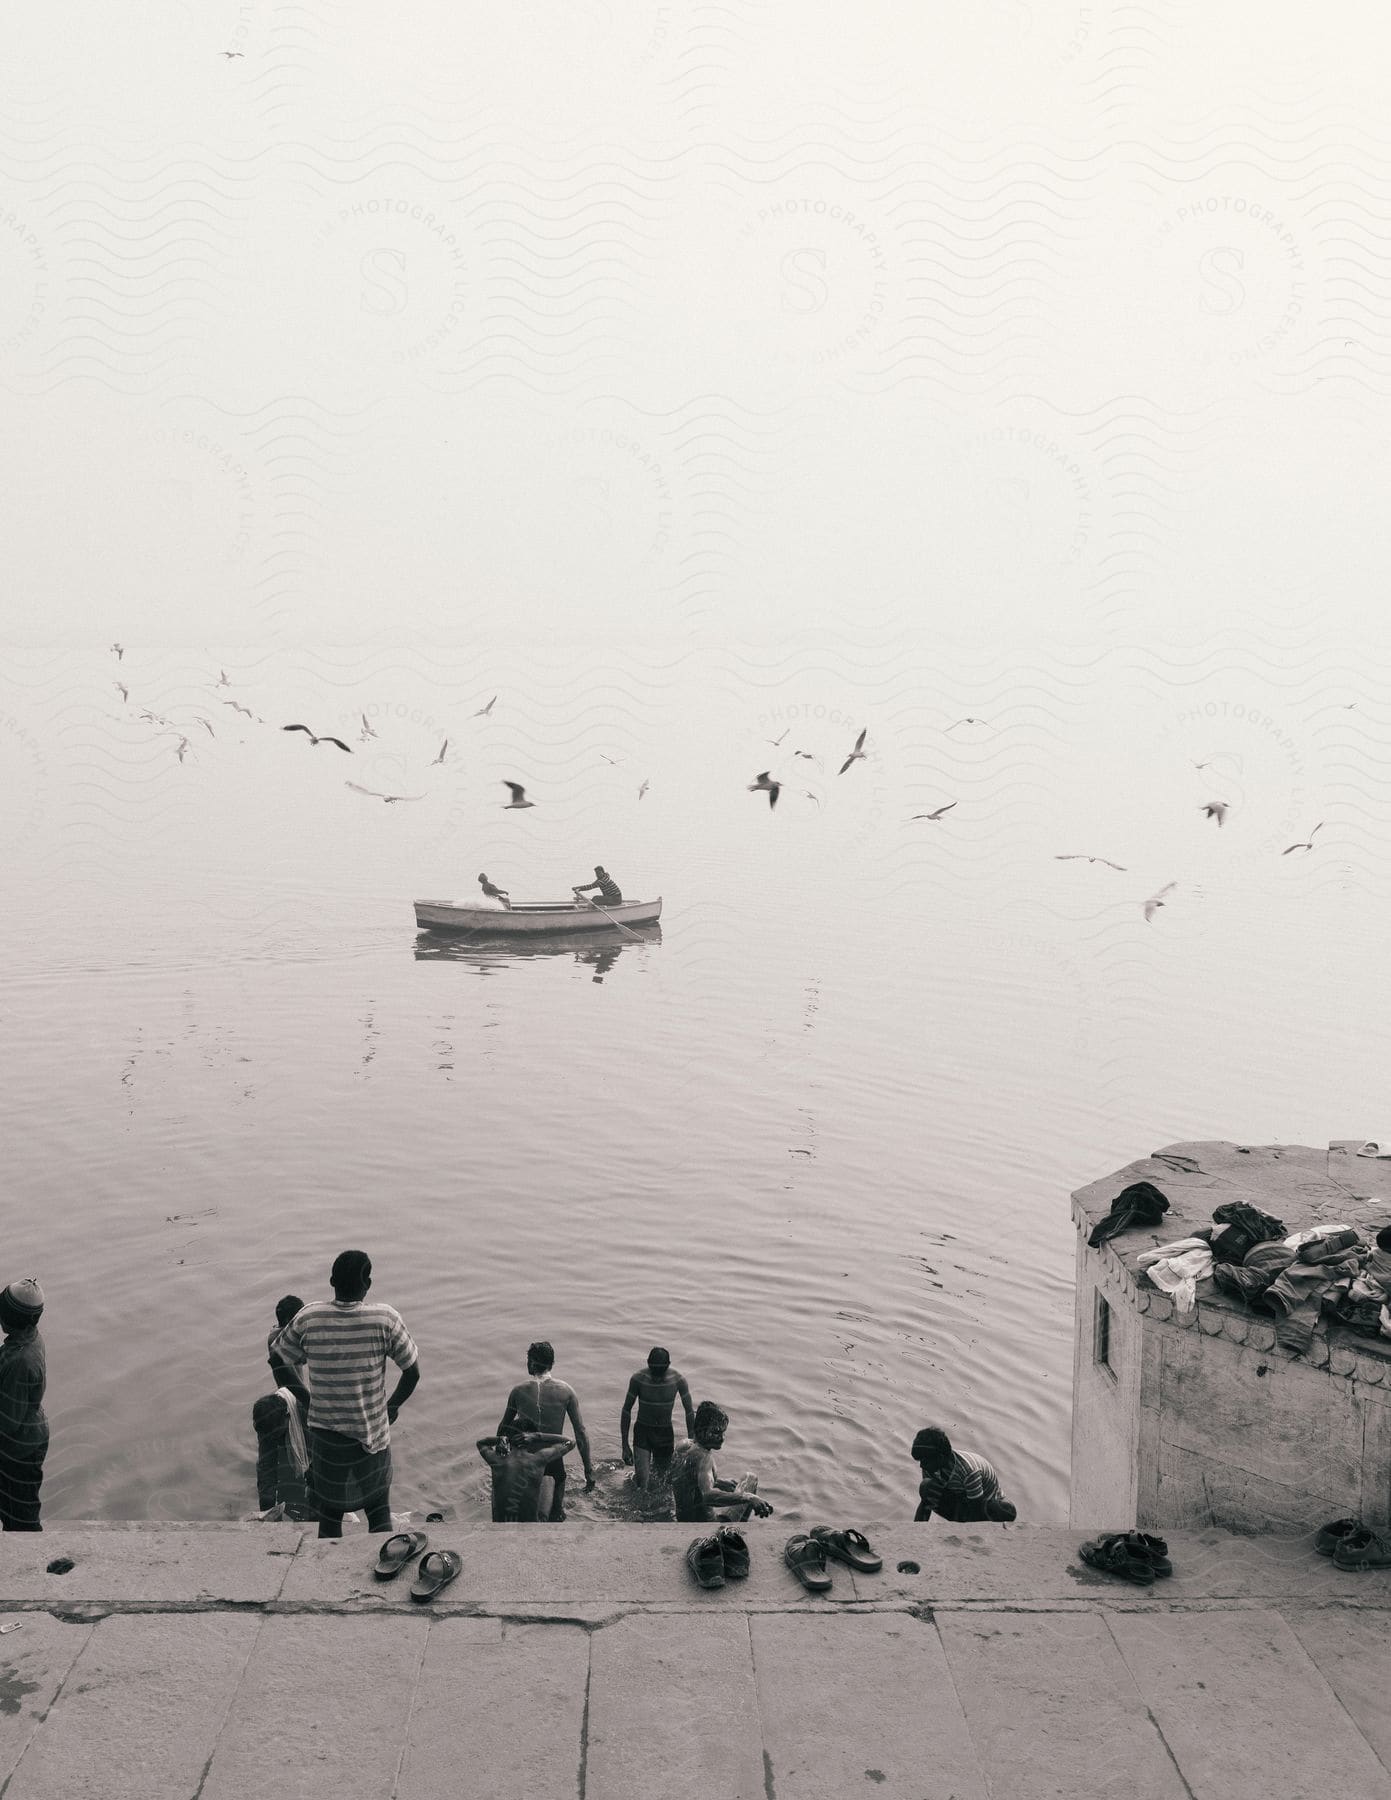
<point>1177,1269</point>
<point>299,1449</point>
<point>1378,1148</point>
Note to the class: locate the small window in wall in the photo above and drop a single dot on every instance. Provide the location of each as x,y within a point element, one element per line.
<point>1101,1334</point>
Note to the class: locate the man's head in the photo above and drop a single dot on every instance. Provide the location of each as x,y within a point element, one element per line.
<point>658,1361</point>
<point>711,1424</point>
<point>21,1303</point>
<point>932,1449</point>
<point>269,1414</point>
<point>1384,1238</point>
<point>286,1309</point>
<point>540,1358</point>
<point>599,869</point>
<point>351,1274</point>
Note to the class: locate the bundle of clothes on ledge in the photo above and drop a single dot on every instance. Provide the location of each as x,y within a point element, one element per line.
<point>1327,1271</point>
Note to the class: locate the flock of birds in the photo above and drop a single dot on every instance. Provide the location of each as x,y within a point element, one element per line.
<point>763,783</point>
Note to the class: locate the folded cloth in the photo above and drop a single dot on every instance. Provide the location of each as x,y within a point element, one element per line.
<point>1330,1244</point>
<point>1139,1204</point>
<point>1379,1268</point>
<point>1372,1147</point>
<point>1178,1268</point>
<point>298,1444</point>
<point>1386,1321</point>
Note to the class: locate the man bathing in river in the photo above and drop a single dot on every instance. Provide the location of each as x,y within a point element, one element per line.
<point>699,1494</point>
<point>546,1404</point>
<point>519,1458</point>
<point>655,1389</point>
<point>956,1484</point>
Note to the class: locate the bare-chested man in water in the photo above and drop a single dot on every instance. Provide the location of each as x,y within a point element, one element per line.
<point>548,1404</point>
<point>655,1389</point>
<point>696,1488</point>
<point>518,1459</point>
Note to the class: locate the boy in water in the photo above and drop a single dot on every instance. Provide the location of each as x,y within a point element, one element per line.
<point>656,1389</point>
<point>695,1486</point>
<point>956,1484</point>
<point>518,1458</point>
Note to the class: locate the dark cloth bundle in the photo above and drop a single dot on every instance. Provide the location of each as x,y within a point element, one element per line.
<point>1139,1204</point>
<point>1251,1277</point>
<point>1246,1226</point>
<point>1330,1246</point>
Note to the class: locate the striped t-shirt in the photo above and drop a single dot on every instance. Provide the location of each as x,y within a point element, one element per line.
<point>346,1344</point>
<point>967,1478</point>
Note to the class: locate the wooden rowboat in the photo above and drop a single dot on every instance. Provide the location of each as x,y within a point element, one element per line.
<point>532,917</point>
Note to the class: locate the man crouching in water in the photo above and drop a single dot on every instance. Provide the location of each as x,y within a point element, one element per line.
<point>699,1494</point>
<point>518,1458</point>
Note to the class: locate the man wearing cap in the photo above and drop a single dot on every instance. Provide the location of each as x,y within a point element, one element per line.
<point>958,1485</point>
<point>655,1389</point>
<point>346,1343</point>
<point>23,1426</point>
<point>545,1403</point>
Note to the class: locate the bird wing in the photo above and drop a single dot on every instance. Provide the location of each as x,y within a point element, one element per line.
<point>860,740</point>
<point>774,789</point>
<point>846,764</point>
<point>389,798</point>
<point>517,791</point>
<point>358,788</point>
<point>332,740</point>
<point>304,728</point>
<point>1111,865</point>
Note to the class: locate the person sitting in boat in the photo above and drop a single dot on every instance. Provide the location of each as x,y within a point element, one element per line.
<point>495,893</point>
<point>608,889</point>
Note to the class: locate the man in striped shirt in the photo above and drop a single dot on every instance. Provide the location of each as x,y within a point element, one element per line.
<point>346,1342</point>
<point>956,1484</point>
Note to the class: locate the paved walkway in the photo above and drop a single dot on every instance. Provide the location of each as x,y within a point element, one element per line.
<point>245,1662</point>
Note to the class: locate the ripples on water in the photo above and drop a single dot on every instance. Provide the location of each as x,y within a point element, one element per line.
<point>816,1134</point>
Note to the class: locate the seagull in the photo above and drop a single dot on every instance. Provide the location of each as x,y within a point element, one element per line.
<point>1216,809</point>
<point>777,740</point>
<point>1305,846</point>
<point>154,718</point>
<point>317,740</point>
<point>766,784</point>
<point>934,815</point>
<point>483,711</point>
<point>643,789</point>
<point>229,54</point>
<point>811,796</point>
<point>237,707</point>
<point>518,791</point>
<point>1080,856</point>
<point>366,732</point>
<point>179,749</point>
<point>374,795</point>
<point>968,721</point>
<point>120,650</point>
<point>1155,901</point>
<point>206,726</point>
<point>222,680</point>
<point>121,689</point>
<point>440,758</point>
<point>810,756</point>
<point>858,753</point>
<point>615,760</point>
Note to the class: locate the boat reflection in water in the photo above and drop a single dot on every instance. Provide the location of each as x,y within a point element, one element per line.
<point>598,950</point>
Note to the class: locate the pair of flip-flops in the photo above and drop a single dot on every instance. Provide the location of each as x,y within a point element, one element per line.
<point>807,1553</point>
<point>437,1567</point>
<point>1136,1556</point>
<point>715,1560</point>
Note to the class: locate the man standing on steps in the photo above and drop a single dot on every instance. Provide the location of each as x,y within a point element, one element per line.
<point>346,1342</point>
<point>656,1389</point>
<point>541,1403</point>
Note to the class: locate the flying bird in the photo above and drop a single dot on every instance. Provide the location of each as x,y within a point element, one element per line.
<point>934,815</point>
<point>154,718</point>
<point>643,789</point>
<point>483,711</point>
<point>229,54</point>
<point>1080,856</point>
<point>181,747</point>
<point>440,758</point>
<point>1216,809</point>
<point>206,726</point>
<point>766,784</point>
<point>366,732</point>
<point>810,756</point>
<point>517,790</point>
<point>318,740</point>
<point>374,795</point>
<point>120,650</point>
<point>236,706</point>
<point>615,760</point>
<point>1155,901</point>
<point>858,753</point>
<point>1308,845</point>
<point>121,689</point>
<point>812,796</point>
<point>968,721</point>
<point>777,740</point>
<point>222,680</point>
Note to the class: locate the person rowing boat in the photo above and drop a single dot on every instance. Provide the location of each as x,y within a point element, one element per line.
<point>608,889</point>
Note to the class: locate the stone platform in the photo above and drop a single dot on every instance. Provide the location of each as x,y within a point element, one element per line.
<point>245,1662</point>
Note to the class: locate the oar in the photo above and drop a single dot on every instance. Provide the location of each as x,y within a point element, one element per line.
<point>609,916</point>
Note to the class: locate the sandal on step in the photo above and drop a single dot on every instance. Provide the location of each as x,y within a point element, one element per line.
<point>806,1557</point>
<point>1110,1555</point>
<point>397,1551</point>
<point>705,1560</point>
<point>851,1547</point>
<point>437,1569</point>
